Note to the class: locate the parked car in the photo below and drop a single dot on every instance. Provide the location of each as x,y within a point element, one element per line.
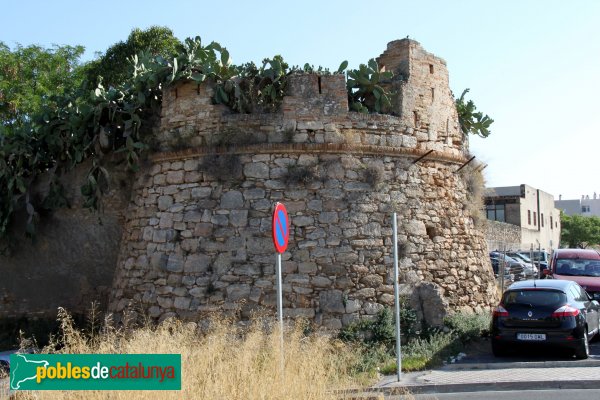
<point>512,266</point>
<point>531,271</point>
<point>579,265</point>
<point>547,312</point>
<point>540,258</point>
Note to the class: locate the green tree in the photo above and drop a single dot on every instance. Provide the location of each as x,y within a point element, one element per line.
<point>114,66</point>
<point>32,78</point>
<point>579,232</point>
<point>471,120</point>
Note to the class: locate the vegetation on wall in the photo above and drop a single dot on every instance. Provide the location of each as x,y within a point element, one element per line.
<point>473,202</point>
<point>365,93</point>
<point>579,232</point>
<point>470,120</point>
<point>57,112</point>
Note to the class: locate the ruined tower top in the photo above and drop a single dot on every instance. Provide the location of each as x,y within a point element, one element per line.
<point>422,93</point>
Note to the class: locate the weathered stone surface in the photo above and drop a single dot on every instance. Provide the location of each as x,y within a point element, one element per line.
<point>238,292</point>
<point>257,170</point>
<point>373,281</point>
<point>232,199</point>
<point>238,218</point>
<point>372,308</point>
<point>201,192</point>
<point>254,194</point>
<point>196,263</point>
<point>430,304</point>
<point>164,202</point>
<point>365,293</point>
<point>182,303</point>
<point>331,301</point>
<point>328,217</point>
<point>175,263</point>
<point>321,281</point>
<point>175,177</point>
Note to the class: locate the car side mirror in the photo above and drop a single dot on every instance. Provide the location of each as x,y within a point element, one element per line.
<point>547,272</point>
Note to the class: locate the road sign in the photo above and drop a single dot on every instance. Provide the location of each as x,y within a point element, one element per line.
<point>281,228</point>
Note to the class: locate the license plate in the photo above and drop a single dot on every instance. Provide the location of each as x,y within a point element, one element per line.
<point>531,336</point>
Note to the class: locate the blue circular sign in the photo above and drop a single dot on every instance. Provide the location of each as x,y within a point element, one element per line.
<point>281,230</point>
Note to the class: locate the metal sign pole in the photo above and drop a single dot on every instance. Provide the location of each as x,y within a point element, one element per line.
<point>281,234</point>
<point>280,308</point>
<point>397,299</point>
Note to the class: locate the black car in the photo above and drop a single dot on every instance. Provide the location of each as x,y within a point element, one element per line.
<point>545,312</point>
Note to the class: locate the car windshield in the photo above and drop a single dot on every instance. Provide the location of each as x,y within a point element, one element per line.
<point>534,297</point>
<point>577,267</point>
<point>519,257</point>
<point>537,255</point>
<point>500,256</point>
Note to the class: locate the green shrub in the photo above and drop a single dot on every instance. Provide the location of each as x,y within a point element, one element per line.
<point>381,331</point>
<point>376,340</point>
<point>469,326</point>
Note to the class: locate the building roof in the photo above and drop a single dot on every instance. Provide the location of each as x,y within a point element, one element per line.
<point>505,191</point>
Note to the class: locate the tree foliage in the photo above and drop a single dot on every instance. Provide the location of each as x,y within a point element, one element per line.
<point>471,120</point>
<point>32,78</point>
<point>114,66</point>
<point>579,232</point>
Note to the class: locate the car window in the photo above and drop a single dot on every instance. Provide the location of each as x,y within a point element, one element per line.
<point>577,267</point>
<point>535,297</point>
<point>575,295</point>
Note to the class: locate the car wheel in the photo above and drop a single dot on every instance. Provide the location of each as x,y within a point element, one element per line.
<point>498,350</point>
<point>583,351</point>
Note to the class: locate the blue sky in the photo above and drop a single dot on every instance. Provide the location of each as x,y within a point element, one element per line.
<point>533,66</point>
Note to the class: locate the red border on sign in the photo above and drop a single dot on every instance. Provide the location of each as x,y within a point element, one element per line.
<point>280,207</point>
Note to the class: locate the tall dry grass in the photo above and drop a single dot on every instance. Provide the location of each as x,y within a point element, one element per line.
<point>222,362</point>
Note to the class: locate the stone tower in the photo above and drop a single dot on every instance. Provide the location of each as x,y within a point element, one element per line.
<point>197,235</point>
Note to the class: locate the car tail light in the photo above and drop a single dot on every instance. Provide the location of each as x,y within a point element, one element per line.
<point>500,311</point>
<point>565,311</point>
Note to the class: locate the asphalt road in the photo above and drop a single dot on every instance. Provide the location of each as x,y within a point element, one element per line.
<point>525,353</point>
<point>579,394</point>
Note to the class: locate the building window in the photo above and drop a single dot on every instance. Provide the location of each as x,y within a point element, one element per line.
<point>542,219</point>
<point>551,223</point>
<point>528,217</point>
<point>585,209</point>
<point>495,212</point>
<point>534,218</point>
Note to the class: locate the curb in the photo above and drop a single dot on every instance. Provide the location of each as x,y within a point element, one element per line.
<point>479,387</point>
<point>522,364</point>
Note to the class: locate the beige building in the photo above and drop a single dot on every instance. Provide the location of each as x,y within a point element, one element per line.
<point>530,209</point>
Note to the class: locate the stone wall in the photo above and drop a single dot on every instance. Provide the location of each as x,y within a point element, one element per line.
<point>197,234</point>
<point>500,236</point>
<point>71,262</point>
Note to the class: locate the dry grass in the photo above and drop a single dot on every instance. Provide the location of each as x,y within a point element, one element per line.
<point>223,362</point>
<point>475,185</point>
